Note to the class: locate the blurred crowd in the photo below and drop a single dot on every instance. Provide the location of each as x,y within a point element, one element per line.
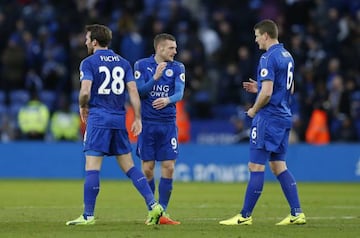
<point>42,43</point>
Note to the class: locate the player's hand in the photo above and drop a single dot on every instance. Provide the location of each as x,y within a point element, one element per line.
<point>84,113</point>
<point>159,70</point>
<point>251,112</point>
<point>250,86</point>
<point>160,103</point>
<point>136,127</point>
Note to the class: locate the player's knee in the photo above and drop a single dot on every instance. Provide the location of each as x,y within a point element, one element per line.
<point>277,167</point>
<point>256,167</point>
<point>167,170</point>
<point>148,172</point>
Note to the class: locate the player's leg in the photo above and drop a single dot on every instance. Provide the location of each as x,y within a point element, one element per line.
<point>289,188</point>
<point>138,179</point>
<point>253,190</point>
<point>91,190</point>
<point>165,190</point>
<point>258,158</point>
<point>287,181</point>
<point>167,153</point>
<point>166,182</point>
<point>146,152</point>
<point>259,155</point>
<point>121,147</point>
<point>93,143</point>
<point>148,169</point>
<point>288,185</point>
<point>92,183</point>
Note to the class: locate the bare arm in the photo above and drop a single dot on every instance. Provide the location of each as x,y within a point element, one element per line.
<point>84,97</point>
<point>263,98</point>
<point>136,126</point>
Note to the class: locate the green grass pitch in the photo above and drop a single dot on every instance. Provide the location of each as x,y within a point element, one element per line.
<point>38,208</point>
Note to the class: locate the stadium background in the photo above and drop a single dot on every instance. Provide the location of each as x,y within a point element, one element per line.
<point>42,43</point>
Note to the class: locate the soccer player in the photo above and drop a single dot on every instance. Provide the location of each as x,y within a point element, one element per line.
<point>271,125</point>
<point>105,77</point>
<point>161,82</point>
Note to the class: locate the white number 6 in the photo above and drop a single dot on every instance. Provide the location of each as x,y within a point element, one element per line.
<point>290,76</point>
<point>253,133</point>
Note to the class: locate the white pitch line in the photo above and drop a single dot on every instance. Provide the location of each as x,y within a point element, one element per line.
<point>199,219</point>
<point>276,218</point>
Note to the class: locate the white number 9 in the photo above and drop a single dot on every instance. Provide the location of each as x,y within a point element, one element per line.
<point>173,143</point>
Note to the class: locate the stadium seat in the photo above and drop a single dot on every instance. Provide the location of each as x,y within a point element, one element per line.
<point>335,125</point>
<point>357,126</point>
<point>2,97</point>
<point>355,105</point>
<point>13,111</point>
<point>355,96</point>
<point>3,109</point>
<point>74,96</point>
<point>14,108</point>
<point>74,107</point>
<point>49,98</point>
<point>3,112</point>
<point>19,96</point>
<point>224,111</point>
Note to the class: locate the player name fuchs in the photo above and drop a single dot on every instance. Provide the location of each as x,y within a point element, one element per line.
<point>109,58</point>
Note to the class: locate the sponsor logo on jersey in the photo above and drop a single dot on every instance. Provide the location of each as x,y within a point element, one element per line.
<point>160,91</point>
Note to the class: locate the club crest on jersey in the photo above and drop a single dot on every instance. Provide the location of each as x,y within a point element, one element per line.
<point>182,77</point>
<point>81,74</point>
<point>137,74</point>
<point>264,72</point>
<point>169,72</point>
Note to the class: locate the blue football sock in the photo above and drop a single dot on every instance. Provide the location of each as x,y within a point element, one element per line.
<point>142,186</point>
<point>288,185</point>
<point>253,192</point>
<point>91,190</point>
<point>165,189</point>
<point>152,185</point>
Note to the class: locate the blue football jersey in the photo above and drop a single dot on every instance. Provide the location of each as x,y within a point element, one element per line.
<point>109,74</point>
<point>173,74</point>
<point>277,65</point>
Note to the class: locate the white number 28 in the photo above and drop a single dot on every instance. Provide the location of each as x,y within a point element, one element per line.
<point>115,78</point>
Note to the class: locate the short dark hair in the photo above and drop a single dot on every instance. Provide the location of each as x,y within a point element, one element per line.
<point>100,33</point>
<point>269,27</point>
<point>162,37</point>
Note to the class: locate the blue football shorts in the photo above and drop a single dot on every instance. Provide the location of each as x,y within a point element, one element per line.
<point>268,141</point>
<point>105,141</point>
<point>158,142</point>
